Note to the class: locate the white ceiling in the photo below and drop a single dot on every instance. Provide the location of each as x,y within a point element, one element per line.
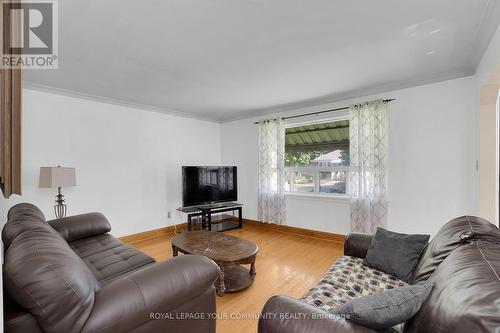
<point>227,59</point>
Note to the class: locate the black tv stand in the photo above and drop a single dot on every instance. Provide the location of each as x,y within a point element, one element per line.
<point>205,212</point>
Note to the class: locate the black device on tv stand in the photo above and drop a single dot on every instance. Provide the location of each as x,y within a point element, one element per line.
<point>209,186</point>
<point>207,190</point>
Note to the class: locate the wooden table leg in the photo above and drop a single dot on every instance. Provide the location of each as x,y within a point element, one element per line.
<point>253,272</point>
<point>222,287</point>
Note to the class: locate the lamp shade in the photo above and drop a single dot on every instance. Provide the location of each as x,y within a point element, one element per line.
<point>57,177</point>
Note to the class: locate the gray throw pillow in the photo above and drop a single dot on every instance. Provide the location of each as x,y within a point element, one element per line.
<point>385,309</point>
<point>394,253</point>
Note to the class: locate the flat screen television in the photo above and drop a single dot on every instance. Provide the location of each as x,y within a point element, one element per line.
<point>203,185</point>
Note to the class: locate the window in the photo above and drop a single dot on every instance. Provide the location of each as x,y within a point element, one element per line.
<point>317,158</point>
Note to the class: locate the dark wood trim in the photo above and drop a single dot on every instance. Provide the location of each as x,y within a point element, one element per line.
<point>338,238</point>
<point>5,108</point>
<point>10,119</point>
<point>6,134</point>
<point>170,230</point>
<point>145,235</point>
<point>17,103</point>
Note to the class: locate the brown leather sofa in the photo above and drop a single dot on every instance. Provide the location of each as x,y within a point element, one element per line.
<point>70,275</point>
<point>463,263</point>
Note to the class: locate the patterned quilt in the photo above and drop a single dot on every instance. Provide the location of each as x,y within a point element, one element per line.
<point>348,278</point>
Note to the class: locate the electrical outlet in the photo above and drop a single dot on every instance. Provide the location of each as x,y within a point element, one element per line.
<point>169,214</point>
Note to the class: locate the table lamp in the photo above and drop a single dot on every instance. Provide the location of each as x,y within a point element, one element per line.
<point>52,177</point>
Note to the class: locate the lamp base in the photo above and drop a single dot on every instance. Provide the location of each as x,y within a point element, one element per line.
<point>60,211</point>
<point>60,207</point>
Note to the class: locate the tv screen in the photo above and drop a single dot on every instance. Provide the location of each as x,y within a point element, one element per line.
<point>207,184</point>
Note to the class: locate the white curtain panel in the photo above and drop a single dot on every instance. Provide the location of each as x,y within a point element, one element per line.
<point>368,176</point>
<point>271,171</point>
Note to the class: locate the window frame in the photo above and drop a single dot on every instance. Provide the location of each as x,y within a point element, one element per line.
<point>317,170</point>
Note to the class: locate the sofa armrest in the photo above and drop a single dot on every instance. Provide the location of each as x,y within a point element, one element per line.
<point>132,300</point>
<point>357,244</point>
<point>81,226</point>
<point>284,314</point>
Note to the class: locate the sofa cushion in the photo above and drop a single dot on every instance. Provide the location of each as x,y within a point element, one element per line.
<point>81,226</point>
<point>16,319</point>
<point>24,211</point>
<point>449,237</point>
<point>43,274</point>
<point>385,309</point>
<point>108,258</point>
<point>347,279</point>
<point>395,253</point>
<point>466,294</point>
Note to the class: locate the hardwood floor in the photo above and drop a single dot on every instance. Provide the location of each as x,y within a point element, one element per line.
<point>287,264</point>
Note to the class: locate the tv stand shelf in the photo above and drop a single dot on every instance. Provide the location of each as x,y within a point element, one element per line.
<point>222,222</point>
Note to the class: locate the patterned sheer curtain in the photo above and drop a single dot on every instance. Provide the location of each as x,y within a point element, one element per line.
<point>368,176</point>
<point>271,171</point>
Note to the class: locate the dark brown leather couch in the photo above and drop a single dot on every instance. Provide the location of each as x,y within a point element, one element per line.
<point>70,275</point>
<point>463,263</point>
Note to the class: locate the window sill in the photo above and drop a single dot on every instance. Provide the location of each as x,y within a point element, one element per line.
<point>319,197</point>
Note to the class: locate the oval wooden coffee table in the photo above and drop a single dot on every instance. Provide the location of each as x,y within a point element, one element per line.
<point>227,251</point>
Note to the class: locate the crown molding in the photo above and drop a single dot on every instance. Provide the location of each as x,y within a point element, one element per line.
<point>74,94</point>
<point>311,103</point>
<point>332,100</point>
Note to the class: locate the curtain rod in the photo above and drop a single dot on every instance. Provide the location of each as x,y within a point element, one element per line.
<point>385,101</point>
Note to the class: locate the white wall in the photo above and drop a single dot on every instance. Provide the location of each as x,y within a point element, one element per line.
<point>128,161</point>
<point>432,150</point>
